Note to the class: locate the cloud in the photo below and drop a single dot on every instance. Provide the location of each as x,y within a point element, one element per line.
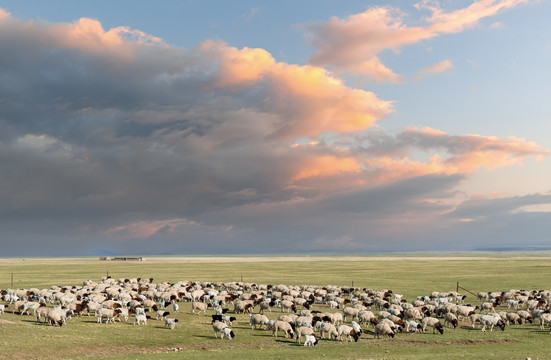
<point>112,139</point>
<point>436,68</point>
<point>354,43</point>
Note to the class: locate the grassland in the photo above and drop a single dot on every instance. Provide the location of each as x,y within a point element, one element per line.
<point>22,338</point>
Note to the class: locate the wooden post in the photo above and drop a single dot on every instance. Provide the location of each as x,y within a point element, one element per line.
<point>457,288</point>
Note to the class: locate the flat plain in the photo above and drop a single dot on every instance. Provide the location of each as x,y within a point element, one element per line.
<point>21,337</point>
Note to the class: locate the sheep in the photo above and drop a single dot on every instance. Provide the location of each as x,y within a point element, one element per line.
<point>545,319</point>
<point>287,328</point>
<point>175,307</point>
<point>367,317</point>
<point>350,311</point>
<point>434,323</point>
<point>513,318</point>
<point>348,331</point>
<point>220,327</point>
<point>412,324</point>
<point>258,319</point>
<point>56,317</point>
<point>303,330</point>
<point>199,306</point>
<point>287,306</point>
<point>329,329</point>
<point>465,311</point>
<point>487,307</point>
<point>162,314</point>
<point>3,308</point>
<point>141,318</point>
<point>491,321</point>
<point>451,319</point>
<point>170,323</point>
<point>266,305</point>
<point>525,315</point>
<point>383,329</point>
<point>310,340</point>
<point>356,328</point>
<point>474,318</point>
<point>109,314</point>
<point>42,312</point>
<point>413,314</point>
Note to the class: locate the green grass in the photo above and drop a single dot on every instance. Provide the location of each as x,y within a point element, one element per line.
<point>411,276</point>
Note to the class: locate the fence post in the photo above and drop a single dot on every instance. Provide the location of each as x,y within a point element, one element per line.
<point>457,289</point>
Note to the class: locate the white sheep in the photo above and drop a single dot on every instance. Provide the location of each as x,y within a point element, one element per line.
<point>310,340</point>
<point>412,324</point>
<point>451,319</point>
<point>329,329</point>
<point>545,319</point>
<point>161,314</point>
<point>3,308</point>
<point>491,321</point>
<point>303,330</point>
<point>170,323</point>
<point>141,318</point>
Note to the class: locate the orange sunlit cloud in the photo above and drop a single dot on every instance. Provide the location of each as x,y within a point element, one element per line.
<point>309,99</point>
<point>326,165</point>
<point>352,44</point>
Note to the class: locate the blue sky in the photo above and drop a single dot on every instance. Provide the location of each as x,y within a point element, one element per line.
<point>247,127</point>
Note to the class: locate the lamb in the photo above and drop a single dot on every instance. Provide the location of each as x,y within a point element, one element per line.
<point>162,314</point>
<point>491,321</point>
<point>141,318</point>
<point>349,332</point>
<point>287,328</point>
<point>199,306</point>
<point>434,323</point>
<point>175,306</point>
<point>310,340</point>
<point>220,327</point>
<point>411,324</point>
<point>3,308</point>
<point>384,329</point>
<point>451,319</point>
<point>170,323</point>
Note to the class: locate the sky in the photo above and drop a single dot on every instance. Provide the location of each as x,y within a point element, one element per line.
<point>193,127</point>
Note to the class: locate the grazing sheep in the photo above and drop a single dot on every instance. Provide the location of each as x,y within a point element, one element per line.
<point>170,323</point>
<point>287,306</point>
<point>491,321</point>
<point>356,328</point>
<point>526,316</point>
<point>412,324</point>
<point>367,317</point>
<point>329,329</point>
<point>56,317</point>
<point>287,328</point>
<point>162,314</point>
<point>434,323</point>
<point>42,312</point>
<point>487,307</point>
<point>513,318</point>
<point>108,314</point>
<point>303,330</point>
<point>310,340</point>
<point>141,318</point>
<point>220,327</point>
<point>199,306</point>
<point>349,332</point>
<point>384,329</point>
<point>451,319</point>
<point>465,311</point>
<point>258,320</point>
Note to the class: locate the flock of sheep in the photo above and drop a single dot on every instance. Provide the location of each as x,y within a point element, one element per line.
<point>293,311</point>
